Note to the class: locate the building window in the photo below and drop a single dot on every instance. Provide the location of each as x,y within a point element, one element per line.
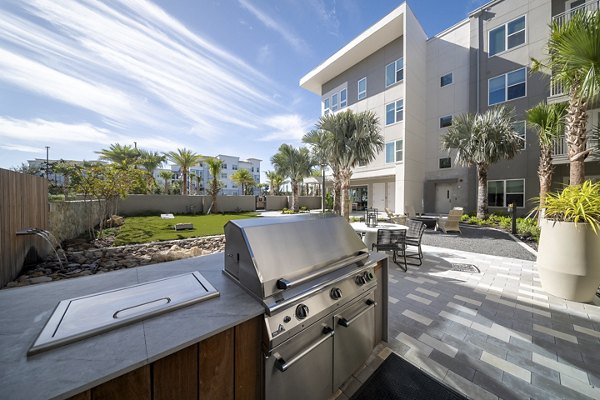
<point>224,175</point>
<point>393,151</point>
<point>234,167</point>
<point>334,102</point>
<point>446,80</point>
<point>507,36</point>
<point>521,129</point>
<point>257,169</point>
<point>394,112</point>
<point>326,106</point>
<point>501,193</point>
<point>446,121</point>
<point>507,87</point>
<point>224,165</point>
<point>445,162</point>
<point>362,88</point>
<point>394,72</point>
<point>343,98</point>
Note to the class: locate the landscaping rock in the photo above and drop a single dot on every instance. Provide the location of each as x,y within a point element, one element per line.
<point>40,279</point>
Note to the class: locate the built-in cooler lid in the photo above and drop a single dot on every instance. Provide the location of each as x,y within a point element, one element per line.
<point>82,317</point>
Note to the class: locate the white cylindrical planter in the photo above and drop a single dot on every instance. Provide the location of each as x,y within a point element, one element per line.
<point>569,260</point>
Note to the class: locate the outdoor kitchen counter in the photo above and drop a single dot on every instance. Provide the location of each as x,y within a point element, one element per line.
<point>76,367</point>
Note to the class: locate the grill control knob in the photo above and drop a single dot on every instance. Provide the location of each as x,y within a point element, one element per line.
<point>336,293</point>
<point>301,311</point>
<point>368,276</point>
<point>360,280</point>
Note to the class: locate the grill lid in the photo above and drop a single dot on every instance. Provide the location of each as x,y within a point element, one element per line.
<point>268,255</point>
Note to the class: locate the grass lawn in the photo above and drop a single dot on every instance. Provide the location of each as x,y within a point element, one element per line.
<point>153,229</point>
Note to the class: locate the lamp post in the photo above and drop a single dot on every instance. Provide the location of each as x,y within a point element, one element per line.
<point>323,189</point>
<point>47,162</point>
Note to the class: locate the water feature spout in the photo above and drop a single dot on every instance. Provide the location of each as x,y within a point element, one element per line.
<point>48,237</point>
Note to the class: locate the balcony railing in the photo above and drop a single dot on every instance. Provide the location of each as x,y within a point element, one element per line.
<point>561,149</point>
<point>589,6</point>
<point>556,89</point>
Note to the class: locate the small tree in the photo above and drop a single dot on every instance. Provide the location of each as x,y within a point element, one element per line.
<point>548,121</point>
<point>215,185</point>
<point>481,140</point>
<point>244,178</point>
<point>275,182</point>
<point>124,155</point>
<point>185,159</point>
<point>295,164</point>
<point>166,176</point>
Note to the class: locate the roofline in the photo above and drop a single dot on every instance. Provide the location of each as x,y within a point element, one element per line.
<point>397,12</point>
<point>448,30</point>
<point>484,7</point>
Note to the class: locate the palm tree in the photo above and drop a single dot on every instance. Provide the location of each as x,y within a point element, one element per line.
<point>319,142</point>
<point>244,178</point>
<point>123,155</point>
<point>214,168</point>
<point>295,164</point>
<point>548,121</point>
<point>150,161</point>
<point>482,140</point>
<point>354,139</point>
<point>275,182</point>
<point>184,158</point>
<point>574,62</point>
<point>166,175</point>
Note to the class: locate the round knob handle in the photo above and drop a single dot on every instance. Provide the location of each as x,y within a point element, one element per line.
<point>336,293</point>
<point>360,280</point>
<point>368,276</point>
<point>302,311</point>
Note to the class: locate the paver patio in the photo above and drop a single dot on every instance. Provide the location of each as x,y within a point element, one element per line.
<point>493,334</point>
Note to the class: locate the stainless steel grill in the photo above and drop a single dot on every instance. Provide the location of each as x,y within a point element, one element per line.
<point>314,279</point>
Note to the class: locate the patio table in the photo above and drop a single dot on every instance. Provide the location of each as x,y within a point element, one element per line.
<point>370,232</point>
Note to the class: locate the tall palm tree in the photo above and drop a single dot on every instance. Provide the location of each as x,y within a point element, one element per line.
<point>548,121</point>
<point>166,175</point>
<point>295,164</point>
<point>184,158</point>
<point>150,161</point>
<point>320,148</point>
<point>214,168</point>
<point>124,155</point>
<point>355,139</point>
<point>244,178</point>
<point>574,62</point>
<point>482,140</point>
<point>275,182</point>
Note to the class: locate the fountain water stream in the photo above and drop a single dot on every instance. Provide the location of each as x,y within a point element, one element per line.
<point>48,237</point>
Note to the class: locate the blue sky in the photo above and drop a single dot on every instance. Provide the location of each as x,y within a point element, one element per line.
<point>215,76</point>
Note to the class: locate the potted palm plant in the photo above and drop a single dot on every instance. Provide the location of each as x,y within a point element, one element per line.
<point>569,248</point>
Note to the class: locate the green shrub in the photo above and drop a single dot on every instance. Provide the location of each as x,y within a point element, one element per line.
<point>528,227</point>
<point>56,198</point>
<point>579,203</point>
<point>465,218</point>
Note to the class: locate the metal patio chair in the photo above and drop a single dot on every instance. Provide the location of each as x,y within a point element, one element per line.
<point>413,238</point>
<point>392,240</point>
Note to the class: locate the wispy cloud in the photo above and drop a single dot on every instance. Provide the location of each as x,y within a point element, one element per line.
<point>41,130</point>
<point>296,42</point>
<point>327,17</point>
<point>130,63</point>
<point>265,55</point>
<point>287,127</point>
<point>21,148</point>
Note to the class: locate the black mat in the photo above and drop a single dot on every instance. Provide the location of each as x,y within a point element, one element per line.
<point>398,379</point>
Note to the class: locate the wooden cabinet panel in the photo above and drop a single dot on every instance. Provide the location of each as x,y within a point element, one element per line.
<point>175,377</point>
<point>134,385</point>
<point>216,366</point>
<point>248,370</point>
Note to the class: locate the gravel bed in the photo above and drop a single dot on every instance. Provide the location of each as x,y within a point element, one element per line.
<point>478,240</point>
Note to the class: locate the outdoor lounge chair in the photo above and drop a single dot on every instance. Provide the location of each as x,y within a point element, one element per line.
<point>396,218</point>
<point>413,239</point>
<point>450,223</point>
<point>392,240</point>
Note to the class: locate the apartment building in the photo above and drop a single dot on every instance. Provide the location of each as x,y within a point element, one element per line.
<point>417,84</point>
<point>200,175</point>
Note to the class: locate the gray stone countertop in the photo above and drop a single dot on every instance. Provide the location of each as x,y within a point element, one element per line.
<point>68,370</point>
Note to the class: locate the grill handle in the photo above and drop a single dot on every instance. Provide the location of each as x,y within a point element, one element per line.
<point>284,284</point>
<point>283,365</point>
<point>347,322</point>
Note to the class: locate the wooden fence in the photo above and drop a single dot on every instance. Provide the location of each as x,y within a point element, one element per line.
<point>23,204</point>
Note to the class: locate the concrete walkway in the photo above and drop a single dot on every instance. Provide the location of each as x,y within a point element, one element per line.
<point>494,333</point>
